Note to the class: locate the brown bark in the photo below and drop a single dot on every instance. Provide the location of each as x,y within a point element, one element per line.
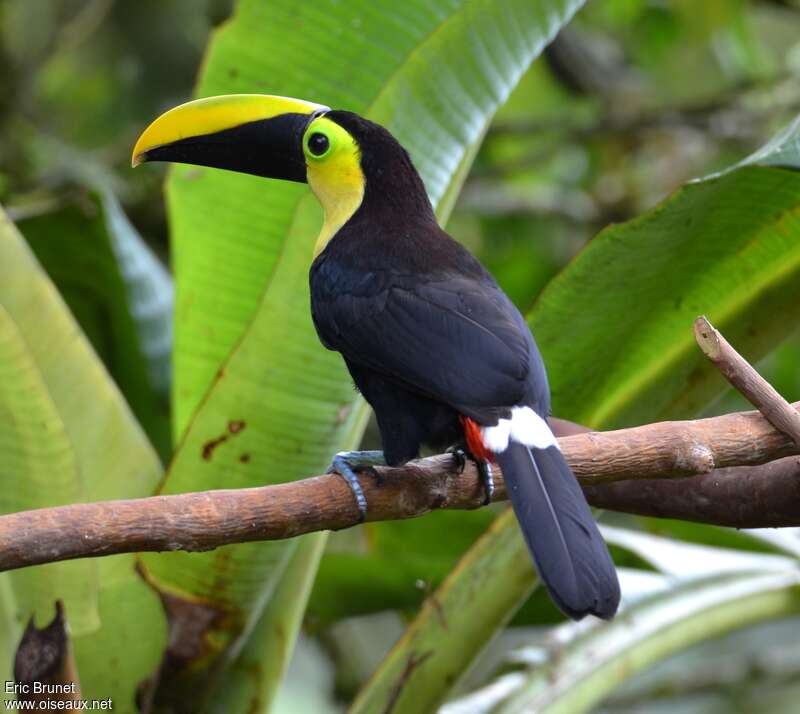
<point>766,496</point>
<point>750,384</point>
<point>646,454</point>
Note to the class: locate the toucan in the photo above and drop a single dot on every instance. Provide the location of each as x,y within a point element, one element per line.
<point>431,341</point>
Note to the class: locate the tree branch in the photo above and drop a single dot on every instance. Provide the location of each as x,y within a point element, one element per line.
<point>738,371</point>
<point>766,496</point>
<point>203,521</point>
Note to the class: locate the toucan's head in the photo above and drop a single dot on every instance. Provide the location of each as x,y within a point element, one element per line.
<point>349,162</point>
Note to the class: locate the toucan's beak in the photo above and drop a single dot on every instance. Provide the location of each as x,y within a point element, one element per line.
<point>255,134</point>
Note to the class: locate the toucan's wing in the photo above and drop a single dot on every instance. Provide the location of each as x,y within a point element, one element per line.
<point>457,339</point>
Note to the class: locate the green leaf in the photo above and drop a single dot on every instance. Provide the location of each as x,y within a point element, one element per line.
<point>252,682</point>
<point>40,469</point>
<point>120,294</point>
<point>280,405</point>
<point>453,625</point>
<point>596,659</point>
<point>114,660</point>
<point>727,246</point>
<point>386,568</point>
<point>89,429</point>
<point>10,632</point>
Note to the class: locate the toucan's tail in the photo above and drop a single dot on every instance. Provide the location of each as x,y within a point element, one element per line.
<point>569,552</point>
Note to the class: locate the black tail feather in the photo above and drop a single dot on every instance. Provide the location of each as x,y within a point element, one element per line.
<point>570,555</point>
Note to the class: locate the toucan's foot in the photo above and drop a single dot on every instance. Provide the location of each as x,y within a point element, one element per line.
<point>487,479</point>
<point>346,463</point>
<point>459,458</point>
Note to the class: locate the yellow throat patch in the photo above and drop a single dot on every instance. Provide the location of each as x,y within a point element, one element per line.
<point>334,175</point>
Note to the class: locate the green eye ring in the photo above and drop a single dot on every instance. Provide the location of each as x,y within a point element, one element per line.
<point>318,144</point>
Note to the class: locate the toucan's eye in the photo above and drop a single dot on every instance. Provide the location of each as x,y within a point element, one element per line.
<point>318,144</point>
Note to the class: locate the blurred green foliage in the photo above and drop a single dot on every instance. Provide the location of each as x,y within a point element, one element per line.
<point>80,78</point>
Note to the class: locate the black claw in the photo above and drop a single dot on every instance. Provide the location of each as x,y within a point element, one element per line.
<point>487,479</point>
<point>459,458</point>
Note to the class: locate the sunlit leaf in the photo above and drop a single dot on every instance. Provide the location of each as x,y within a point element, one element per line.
<point>85,427</point>
<point>10,631</point>
<point>39,468</point>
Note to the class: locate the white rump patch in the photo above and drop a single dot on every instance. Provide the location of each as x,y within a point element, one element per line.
<point>525,427</point>
<point>495,438</point>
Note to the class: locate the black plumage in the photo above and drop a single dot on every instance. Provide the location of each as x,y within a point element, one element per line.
<point>570,554</point>
<point>429,337</point>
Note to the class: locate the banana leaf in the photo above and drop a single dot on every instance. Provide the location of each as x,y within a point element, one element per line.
<point>67,434</point>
